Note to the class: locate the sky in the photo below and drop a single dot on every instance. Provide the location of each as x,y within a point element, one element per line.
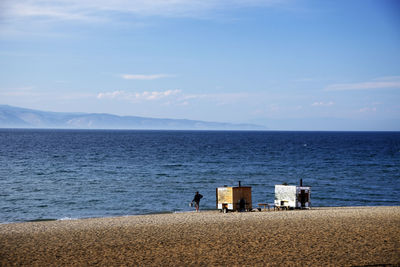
<point>283,64</point>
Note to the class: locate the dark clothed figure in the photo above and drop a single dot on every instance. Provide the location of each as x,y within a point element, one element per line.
<point>196,200</point>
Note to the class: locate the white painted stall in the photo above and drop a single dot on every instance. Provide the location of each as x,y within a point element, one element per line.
<point>292,196</point>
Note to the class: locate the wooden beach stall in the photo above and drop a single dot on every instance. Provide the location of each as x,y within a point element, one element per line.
<point>234,198</point>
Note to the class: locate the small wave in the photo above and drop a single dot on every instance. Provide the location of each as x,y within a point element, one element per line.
<point>173,165</point>
<point>42,220</point>
<point>117,191</point>
<point>65,171</point>
<point>67,219</point>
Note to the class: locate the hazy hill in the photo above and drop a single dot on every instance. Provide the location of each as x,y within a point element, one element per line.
<point>15,117</point>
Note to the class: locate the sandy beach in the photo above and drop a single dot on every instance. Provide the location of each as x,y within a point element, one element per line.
<point>353,236</point>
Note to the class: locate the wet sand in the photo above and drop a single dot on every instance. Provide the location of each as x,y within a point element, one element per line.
<point>353,236</point>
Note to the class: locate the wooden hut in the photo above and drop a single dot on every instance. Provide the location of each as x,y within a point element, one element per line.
<point>234,198</point>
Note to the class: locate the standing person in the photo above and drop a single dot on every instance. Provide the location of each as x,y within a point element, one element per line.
<point>196,200</point>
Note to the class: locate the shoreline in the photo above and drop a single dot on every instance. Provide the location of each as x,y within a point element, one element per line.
<point>341,236</point>
<point>171,212</point>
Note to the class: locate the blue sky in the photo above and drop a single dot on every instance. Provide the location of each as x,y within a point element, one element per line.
<point>288,65</point>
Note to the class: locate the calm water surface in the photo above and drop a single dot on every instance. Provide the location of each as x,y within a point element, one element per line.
<point>55,174</point>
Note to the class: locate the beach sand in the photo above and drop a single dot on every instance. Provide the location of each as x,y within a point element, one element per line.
<point>317,237</point>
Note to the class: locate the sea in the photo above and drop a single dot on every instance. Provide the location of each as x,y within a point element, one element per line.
<point>72,174</point>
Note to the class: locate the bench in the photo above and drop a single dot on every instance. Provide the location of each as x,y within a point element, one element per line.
<point>265,205</point>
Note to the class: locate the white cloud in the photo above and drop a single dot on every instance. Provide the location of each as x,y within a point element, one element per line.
<point>41,18</point>
<point>98,9</point>
<point>155,95</point>
<point>144,77</point>
<point>364,110</point>
<point>323,104</point>
<point>176,97</point>
<point>379,83</point>
<point>45,9</point>
<point>110,94</point>
<point>220,99</point>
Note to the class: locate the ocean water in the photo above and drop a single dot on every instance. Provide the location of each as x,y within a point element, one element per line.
<point>68,174</point>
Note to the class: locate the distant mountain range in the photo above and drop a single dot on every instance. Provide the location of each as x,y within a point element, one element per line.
<point>15,117</point>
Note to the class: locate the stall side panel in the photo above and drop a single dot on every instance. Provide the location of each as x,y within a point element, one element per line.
<point>225,197</point>
<point>303,197</point>
<point>242,198</point>
<point>285,195</point>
